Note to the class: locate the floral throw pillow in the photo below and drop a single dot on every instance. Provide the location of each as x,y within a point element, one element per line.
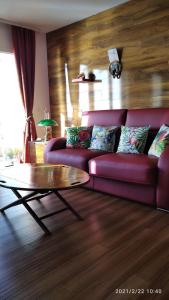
<point>160,142</point>
<point>133,139</point>
<point>78,137</point>
<point>103,138</point>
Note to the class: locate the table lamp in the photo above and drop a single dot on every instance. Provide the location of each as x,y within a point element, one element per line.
<point>47,123</point>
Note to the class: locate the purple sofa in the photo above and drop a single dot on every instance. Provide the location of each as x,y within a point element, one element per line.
<point>137,177</point>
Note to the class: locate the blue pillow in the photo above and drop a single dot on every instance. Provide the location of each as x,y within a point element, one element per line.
<point>103,138</point>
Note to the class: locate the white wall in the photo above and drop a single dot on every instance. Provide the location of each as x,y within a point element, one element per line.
<point>41,94</point>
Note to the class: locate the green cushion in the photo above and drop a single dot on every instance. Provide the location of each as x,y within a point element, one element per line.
<point>78,137</point>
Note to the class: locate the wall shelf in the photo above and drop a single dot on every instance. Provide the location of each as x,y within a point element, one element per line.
<point>81,80</point>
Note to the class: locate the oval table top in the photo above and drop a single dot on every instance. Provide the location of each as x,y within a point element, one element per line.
<point>42,177</point>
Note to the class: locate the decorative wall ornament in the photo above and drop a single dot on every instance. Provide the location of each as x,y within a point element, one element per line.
<point>115,66</point>
<point>115,69</point>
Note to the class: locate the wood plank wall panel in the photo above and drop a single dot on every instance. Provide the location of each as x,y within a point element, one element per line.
<point>140,28</point>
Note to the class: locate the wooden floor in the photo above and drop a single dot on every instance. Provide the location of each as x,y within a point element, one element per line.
<point>120,247</point>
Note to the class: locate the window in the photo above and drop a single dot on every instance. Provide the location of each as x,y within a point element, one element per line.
<point>12,116</point>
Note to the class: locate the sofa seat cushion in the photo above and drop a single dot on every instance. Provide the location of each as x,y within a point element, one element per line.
<point>135,168</point>
<point>72,157</point>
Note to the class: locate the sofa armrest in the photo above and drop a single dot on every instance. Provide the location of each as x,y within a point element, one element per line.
<point>54,144</point>
<point>163,180</point>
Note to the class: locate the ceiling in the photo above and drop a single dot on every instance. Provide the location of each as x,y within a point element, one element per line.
<point>48,15</point>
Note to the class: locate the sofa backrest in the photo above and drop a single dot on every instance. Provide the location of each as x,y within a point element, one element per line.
<point>154,117</point>
<point>115,117</point>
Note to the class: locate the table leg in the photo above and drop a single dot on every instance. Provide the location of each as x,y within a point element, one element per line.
<point>17,202</point>
<point>68,205</point>
<point>30,196</point>
<point>36,218</point>
<point>23,200</point>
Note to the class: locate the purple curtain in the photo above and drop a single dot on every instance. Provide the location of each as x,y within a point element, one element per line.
<point>24,51</point>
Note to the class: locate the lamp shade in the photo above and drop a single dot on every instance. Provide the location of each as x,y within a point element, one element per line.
<point>47,122</point>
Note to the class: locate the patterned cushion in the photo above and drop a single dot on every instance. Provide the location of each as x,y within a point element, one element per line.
<point>160,142</point>
<point>103,138</point>
<point>133,139</point>
<point>78,137</point>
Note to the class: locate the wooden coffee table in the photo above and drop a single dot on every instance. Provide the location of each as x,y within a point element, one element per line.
<point>41,180</point>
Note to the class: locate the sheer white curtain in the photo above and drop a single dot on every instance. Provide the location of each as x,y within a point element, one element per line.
<point>12,118</point>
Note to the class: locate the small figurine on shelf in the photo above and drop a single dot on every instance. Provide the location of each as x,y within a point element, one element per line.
<point>81,76</point>
<point>91,76</point>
